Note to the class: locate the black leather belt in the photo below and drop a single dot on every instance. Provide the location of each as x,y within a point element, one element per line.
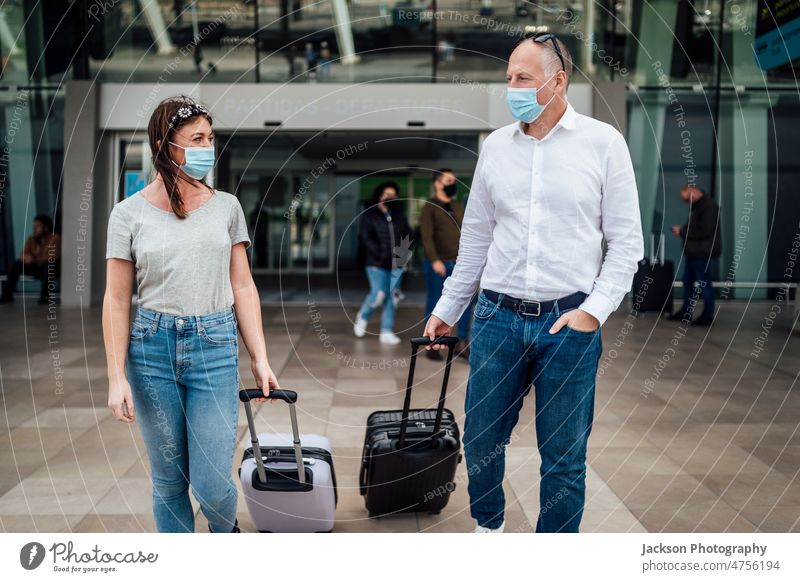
<point>535,307</point>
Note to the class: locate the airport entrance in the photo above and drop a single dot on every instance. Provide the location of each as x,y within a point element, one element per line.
<point>303,194</point>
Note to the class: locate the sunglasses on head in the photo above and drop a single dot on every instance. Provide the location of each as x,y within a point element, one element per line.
<point>543,37</point>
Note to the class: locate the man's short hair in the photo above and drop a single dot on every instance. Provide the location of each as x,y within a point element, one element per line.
<point>552,64</point>
<point>438,173</point>
<point>46,221</point>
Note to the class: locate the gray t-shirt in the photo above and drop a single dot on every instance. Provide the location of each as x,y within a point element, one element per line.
<point>182,265</point>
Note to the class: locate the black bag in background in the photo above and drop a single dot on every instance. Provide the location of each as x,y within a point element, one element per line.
<point>652,283</point>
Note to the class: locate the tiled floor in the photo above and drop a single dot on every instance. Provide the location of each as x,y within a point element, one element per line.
<point>691,433</point>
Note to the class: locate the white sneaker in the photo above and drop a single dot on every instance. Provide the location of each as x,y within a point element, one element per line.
<point>388,337</point>
<point>498,529</point>
<point>360,327</point>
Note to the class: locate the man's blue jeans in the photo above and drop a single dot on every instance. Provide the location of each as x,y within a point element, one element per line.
<point>382,283</point>
<point>184,377</point>
<point>434,283</point>
<point>509,352</point>
<point>697,270</point>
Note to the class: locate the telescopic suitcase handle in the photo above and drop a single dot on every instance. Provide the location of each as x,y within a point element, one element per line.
<point>416,342</point>
<point>289,396</point>
<point>425,341</point>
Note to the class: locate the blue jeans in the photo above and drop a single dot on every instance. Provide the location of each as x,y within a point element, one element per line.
<point>184,377</point>
<point>509,352</point>
<point>382,283</point>
<point>434,283</point>
<point>697,270</point>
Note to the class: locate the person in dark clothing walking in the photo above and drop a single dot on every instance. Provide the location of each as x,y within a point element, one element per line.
<point>440,229</point>
<point>385,236</point>
<point>701,243</point>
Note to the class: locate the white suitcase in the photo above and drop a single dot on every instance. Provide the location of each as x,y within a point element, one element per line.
<point>279,497</point>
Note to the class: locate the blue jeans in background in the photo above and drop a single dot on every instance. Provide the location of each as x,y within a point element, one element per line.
<point>698,270</point>
<point>382,283</point>
<point>184,377</point>
<point>434,283</point>
<point>510,351</point>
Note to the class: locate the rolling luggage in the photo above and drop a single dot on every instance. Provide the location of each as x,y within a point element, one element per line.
<point>279,496</point>
<point>410,455</point>
<point>652,283</point>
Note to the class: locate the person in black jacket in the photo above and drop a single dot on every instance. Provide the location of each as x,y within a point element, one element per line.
<point>701,243</point>
<point>385,237</point>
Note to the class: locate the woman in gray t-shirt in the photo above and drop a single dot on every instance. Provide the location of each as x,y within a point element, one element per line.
<point>175,368</point>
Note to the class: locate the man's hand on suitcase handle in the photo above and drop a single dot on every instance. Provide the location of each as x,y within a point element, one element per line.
<point>436,328</point>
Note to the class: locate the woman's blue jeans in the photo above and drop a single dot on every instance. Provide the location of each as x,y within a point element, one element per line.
<point>184,377</point>
<point>509,352</point>
<point>382,283</point>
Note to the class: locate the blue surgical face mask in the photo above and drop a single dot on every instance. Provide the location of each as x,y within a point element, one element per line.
<point>523,103</point>
<point>199,161</point>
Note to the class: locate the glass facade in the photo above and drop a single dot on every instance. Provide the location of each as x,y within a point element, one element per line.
<point>699,109</point>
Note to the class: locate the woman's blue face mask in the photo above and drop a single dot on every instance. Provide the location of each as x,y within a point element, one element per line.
<point>523,102</point>
<point>199,161</point>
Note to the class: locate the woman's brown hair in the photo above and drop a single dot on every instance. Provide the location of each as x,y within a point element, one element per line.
<point>170,115</point>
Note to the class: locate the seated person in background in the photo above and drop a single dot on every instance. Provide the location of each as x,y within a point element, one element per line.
<point>41,258</point>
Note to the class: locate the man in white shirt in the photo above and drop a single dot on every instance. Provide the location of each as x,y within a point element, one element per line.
<point>547,190</point>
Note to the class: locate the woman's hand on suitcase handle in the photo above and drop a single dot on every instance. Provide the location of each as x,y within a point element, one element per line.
<point>265,379</point>
<point>120,400</point>
<point>436,328</point>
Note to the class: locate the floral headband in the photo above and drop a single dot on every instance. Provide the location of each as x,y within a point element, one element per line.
<point>186,111</point>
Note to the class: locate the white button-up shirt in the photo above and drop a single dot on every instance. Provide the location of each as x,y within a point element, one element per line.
<point>537,215</point>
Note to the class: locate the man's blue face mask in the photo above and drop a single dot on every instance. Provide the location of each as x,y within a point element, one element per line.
<point>523,102</point>
<point>199,161</point>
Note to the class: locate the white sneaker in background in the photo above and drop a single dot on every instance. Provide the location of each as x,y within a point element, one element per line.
<point>388,337</point>
<point>360,327</point>
<point>498,529</point>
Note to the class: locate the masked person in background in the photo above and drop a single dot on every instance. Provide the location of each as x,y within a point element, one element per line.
<point>547,190</point>
<point>386,239</point>
<point>440,229</point>
<point>176,368</point>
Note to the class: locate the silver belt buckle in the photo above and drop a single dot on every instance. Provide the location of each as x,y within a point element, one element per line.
<point>523,311</point>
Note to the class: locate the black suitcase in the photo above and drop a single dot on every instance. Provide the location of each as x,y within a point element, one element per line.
<point>410,455</point>
<point>652,283</point>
